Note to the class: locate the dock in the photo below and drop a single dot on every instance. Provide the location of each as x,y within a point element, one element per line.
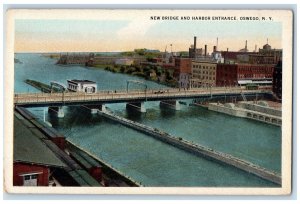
<point>197,149</point>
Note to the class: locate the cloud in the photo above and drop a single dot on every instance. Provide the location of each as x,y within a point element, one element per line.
<point>136,28</point>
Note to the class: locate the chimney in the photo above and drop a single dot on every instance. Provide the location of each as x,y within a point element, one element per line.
<point>205,50</point>
<point>195,45</point>
<point>227,49</point>
<point>246,46</point>
<point>215,48</point>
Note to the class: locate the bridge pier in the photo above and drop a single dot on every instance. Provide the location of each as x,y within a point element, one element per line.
<point>137,106</point>
<point>172,104</point>
<point>58,110</point>
<point>94,108</point>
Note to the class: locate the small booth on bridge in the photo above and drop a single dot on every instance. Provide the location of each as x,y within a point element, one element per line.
<point>86,86</point>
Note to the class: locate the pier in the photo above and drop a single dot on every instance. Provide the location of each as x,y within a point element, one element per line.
<point>196,148</point>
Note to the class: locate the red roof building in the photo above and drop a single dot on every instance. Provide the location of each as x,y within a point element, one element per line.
<point>33,161</point>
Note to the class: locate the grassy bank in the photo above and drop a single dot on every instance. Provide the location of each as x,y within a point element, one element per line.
<point>150,72</point>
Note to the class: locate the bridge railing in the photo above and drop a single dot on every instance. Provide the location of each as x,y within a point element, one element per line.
<point>111,95</point>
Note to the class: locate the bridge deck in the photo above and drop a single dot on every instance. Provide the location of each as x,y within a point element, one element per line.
<point>123,96</point>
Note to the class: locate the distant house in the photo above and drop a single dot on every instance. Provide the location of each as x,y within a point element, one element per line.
<point>86,86</point>
<point>33,161</point>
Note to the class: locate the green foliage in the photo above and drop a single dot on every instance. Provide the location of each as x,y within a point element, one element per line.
<point>146,69</point>
<point>140,51</point>
<point>128,54</point>
<point>138,68</point>
<point>169,75</point>
<point>122,69</point>
<point>140,74</point>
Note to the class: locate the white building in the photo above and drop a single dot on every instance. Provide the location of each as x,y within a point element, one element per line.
<point>86,86</point>
<point>217,57</point>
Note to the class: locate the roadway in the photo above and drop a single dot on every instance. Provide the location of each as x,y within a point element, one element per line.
<point>102,97</point>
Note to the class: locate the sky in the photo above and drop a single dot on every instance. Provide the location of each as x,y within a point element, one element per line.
<point>126,34</point>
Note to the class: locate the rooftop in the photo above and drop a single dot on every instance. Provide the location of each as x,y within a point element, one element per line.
<point>29,146</point>
<point>82,81</point>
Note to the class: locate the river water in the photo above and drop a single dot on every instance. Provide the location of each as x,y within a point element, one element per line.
<point>143,158</point>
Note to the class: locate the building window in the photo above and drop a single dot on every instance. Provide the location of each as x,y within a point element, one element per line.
<point>30,180</point>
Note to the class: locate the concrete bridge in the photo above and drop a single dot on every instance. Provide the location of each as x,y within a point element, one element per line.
<point>135,98</point>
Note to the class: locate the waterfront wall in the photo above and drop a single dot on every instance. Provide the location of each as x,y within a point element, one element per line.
<point>196,148</point>
<point>231,109</point>
<point>259,108</point>
<point>227,110</point>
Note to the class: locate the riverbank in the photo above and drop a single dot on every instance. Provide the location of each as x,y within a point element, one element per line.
<point>154,74</point>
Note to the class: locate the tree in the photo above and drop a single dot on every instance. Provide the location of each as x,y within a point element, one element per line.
<point>122,69</point>
<point>169,75</point>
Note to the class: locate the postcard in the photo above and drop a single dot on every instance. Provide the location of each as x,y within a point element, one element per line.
<point>115,101</point>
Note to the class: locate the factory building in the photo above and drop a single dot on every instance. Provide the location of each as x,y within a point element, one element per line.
<point>203,74</point>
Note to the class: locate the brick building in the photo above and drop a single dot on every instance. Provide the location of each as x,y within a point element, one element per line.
<point>33,162</point>
<point>262,59</point>
<point>183,71</point>
<point>38,160</point>
<point>203,74</point>
<point>267,50</point>
<point>234,74</point>
<point>277,80</point>
<point>233,56</point>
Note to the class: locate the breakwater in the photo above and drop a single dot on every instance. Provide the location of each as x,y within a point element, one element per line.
<point>197,149</point>
<point>41,86</point>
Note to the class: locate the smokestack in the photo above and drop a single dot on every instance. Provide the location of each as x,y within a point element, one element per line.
<point>217,43</point>
<point>255,48</point>
<point>195,45</point>
<point>246,46</point>
<point>215,48</point>
<point>227,49</point>
<point>205,50</point>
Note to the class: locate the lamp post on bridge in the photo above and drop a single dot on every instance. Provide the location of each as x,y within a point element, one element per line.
<point>137,82</point>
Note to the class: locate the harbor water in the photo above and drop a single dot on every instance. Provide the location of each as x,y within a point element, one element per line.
<point>143,158</point>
